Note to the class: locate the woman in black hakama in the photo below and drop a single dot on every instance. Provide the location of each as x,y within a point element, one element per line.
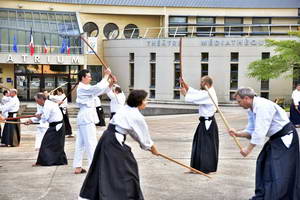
<point>52,147</point>
<point>205,148</point>
<point>11,133</point>
<point>113,174</point>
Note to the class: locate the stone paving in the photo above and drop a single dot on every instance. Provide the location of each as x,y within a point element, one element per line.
<point>160,178</point>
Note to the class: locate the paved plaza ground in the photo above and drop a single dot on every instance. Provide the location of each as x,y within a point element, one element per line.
<point>160,178</point>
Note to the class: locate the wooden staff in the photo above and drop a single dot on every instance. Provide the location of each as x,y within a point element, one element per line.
<point>58,87</point>
<point>70,91</point>
<point>86,42</point>
<point>179,163</point>
<point>223,118</point>
<point>12,122</point>
<point>20,117</point>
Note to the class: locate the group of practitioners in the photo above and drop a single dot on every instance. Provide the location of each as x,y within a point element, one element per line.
<point>113,170</point>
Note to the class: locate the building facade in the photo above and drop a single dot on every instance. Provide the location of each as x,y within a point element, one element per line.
<point>140,42</point>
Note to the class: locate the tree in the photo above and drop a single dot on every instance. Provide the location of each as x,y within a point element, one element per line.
<point>286,59</point>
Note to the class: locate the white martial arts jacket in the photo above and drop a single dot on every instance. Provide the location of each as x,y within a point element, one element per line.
<point>12,105</point>
<point>206,106</point>
<point>86,100</point>
<point>129,120</point>
<point>117,101</point>
<point>265,119</point>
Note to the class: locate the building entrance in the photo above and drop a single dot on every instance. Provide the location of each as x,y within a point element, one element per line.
<point>43,77</point>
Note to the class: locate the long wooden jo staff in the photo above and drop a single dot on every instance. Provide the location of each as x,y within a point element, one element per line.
<point>58,87</point>
<point>179,163</point>
<point>223,118</point>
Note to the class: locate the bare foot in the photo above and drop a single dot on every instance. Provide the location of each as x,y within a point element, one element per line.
<point>36,165</point>
<point>79,170</point>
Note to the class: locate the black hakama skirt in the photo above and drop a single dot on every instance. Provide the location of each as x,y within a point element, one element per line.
<point>11,133</point>
<point>205,149</point>
<point>294,114</point>
<point>68,128</point>
<point>113,174</point>
<point>101,116</point>
<point>52,148</point>
<point>277,168</point>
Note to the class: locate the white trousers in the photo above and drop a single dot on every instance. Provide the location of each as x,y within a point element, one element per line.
<point>86,140</point>
<point>39,136</point>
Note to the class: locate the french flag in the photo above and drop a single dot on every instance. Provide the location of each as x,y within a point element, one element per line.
<point>31,44</point>
<point>45,46</point>
<point>69,47</point>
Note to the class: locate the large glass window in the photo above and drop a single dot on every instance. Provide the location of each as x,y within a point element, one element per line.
<point>177,26</point>
<point>205,26</point>
<point>19,23</point>
<point>260,28</point>
<point>233,25</point>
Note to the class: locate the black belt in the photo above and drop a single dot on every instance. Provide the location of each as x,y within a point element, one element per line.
<point>113,127</point>
<point>52,124</point>
<point>202,119</point>
<point>286,130</point>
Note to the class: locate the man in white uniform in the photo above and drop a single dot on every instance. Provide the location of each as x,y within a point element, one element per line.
<point>277,166</point>
<point>87,117</point>
<point>11,132</point>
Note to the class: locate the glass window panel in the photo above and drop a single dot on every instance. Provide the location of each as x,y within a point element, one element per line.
<point>20,15</point>
<point>67,18</point>
<point>74,69</point>
<point>12,15</point>
<point>44,16</point>
<point>28,16</point>
<point>205,20</point>
<point>20,69</point>
<point>59,18</point>
<point>54,43</point>
<point>36,16</point>
<point>34,69</point>
<point>61,28</point>
<point>45,26</point>
<point>21,41</point>
<point>4,40</point>
<point>53,27</point>
<point>3,14</point>
<point>260,21</point>
<point>12,23</point>
<point>21,23</point>
<point>73,18</point>
<point>52,17</point>
<point>177,19</point>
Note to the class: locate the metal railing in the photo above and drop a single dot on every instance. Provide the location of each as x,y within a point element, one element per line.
<point>205,31</point>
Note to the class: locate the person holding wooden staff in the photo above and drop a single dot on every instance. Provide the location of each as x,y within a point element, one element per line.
<point>277,166</point>
<point>205,148</point>
<point>59,97</point>
<point>114,171</point>
<point>51,151</point>
<point>86,139</point>
<point>11,135</point>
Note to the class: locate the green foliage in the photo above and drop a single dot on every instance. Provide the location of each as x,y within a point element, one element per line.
<point>287,57</point>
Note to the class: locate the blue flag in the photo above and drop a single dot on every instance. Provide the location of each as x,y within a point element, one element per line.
<point>63,46</point>
<point>15,48</point>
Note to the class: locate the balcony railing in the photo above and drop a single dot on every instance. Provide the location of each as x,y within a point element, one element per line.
<point>205,31</point>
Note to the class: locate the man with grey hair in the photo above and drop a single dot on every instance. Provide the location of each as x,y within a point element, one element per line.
<point>11,132</point>
<point>277,166</point>
<point>51,151</point>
